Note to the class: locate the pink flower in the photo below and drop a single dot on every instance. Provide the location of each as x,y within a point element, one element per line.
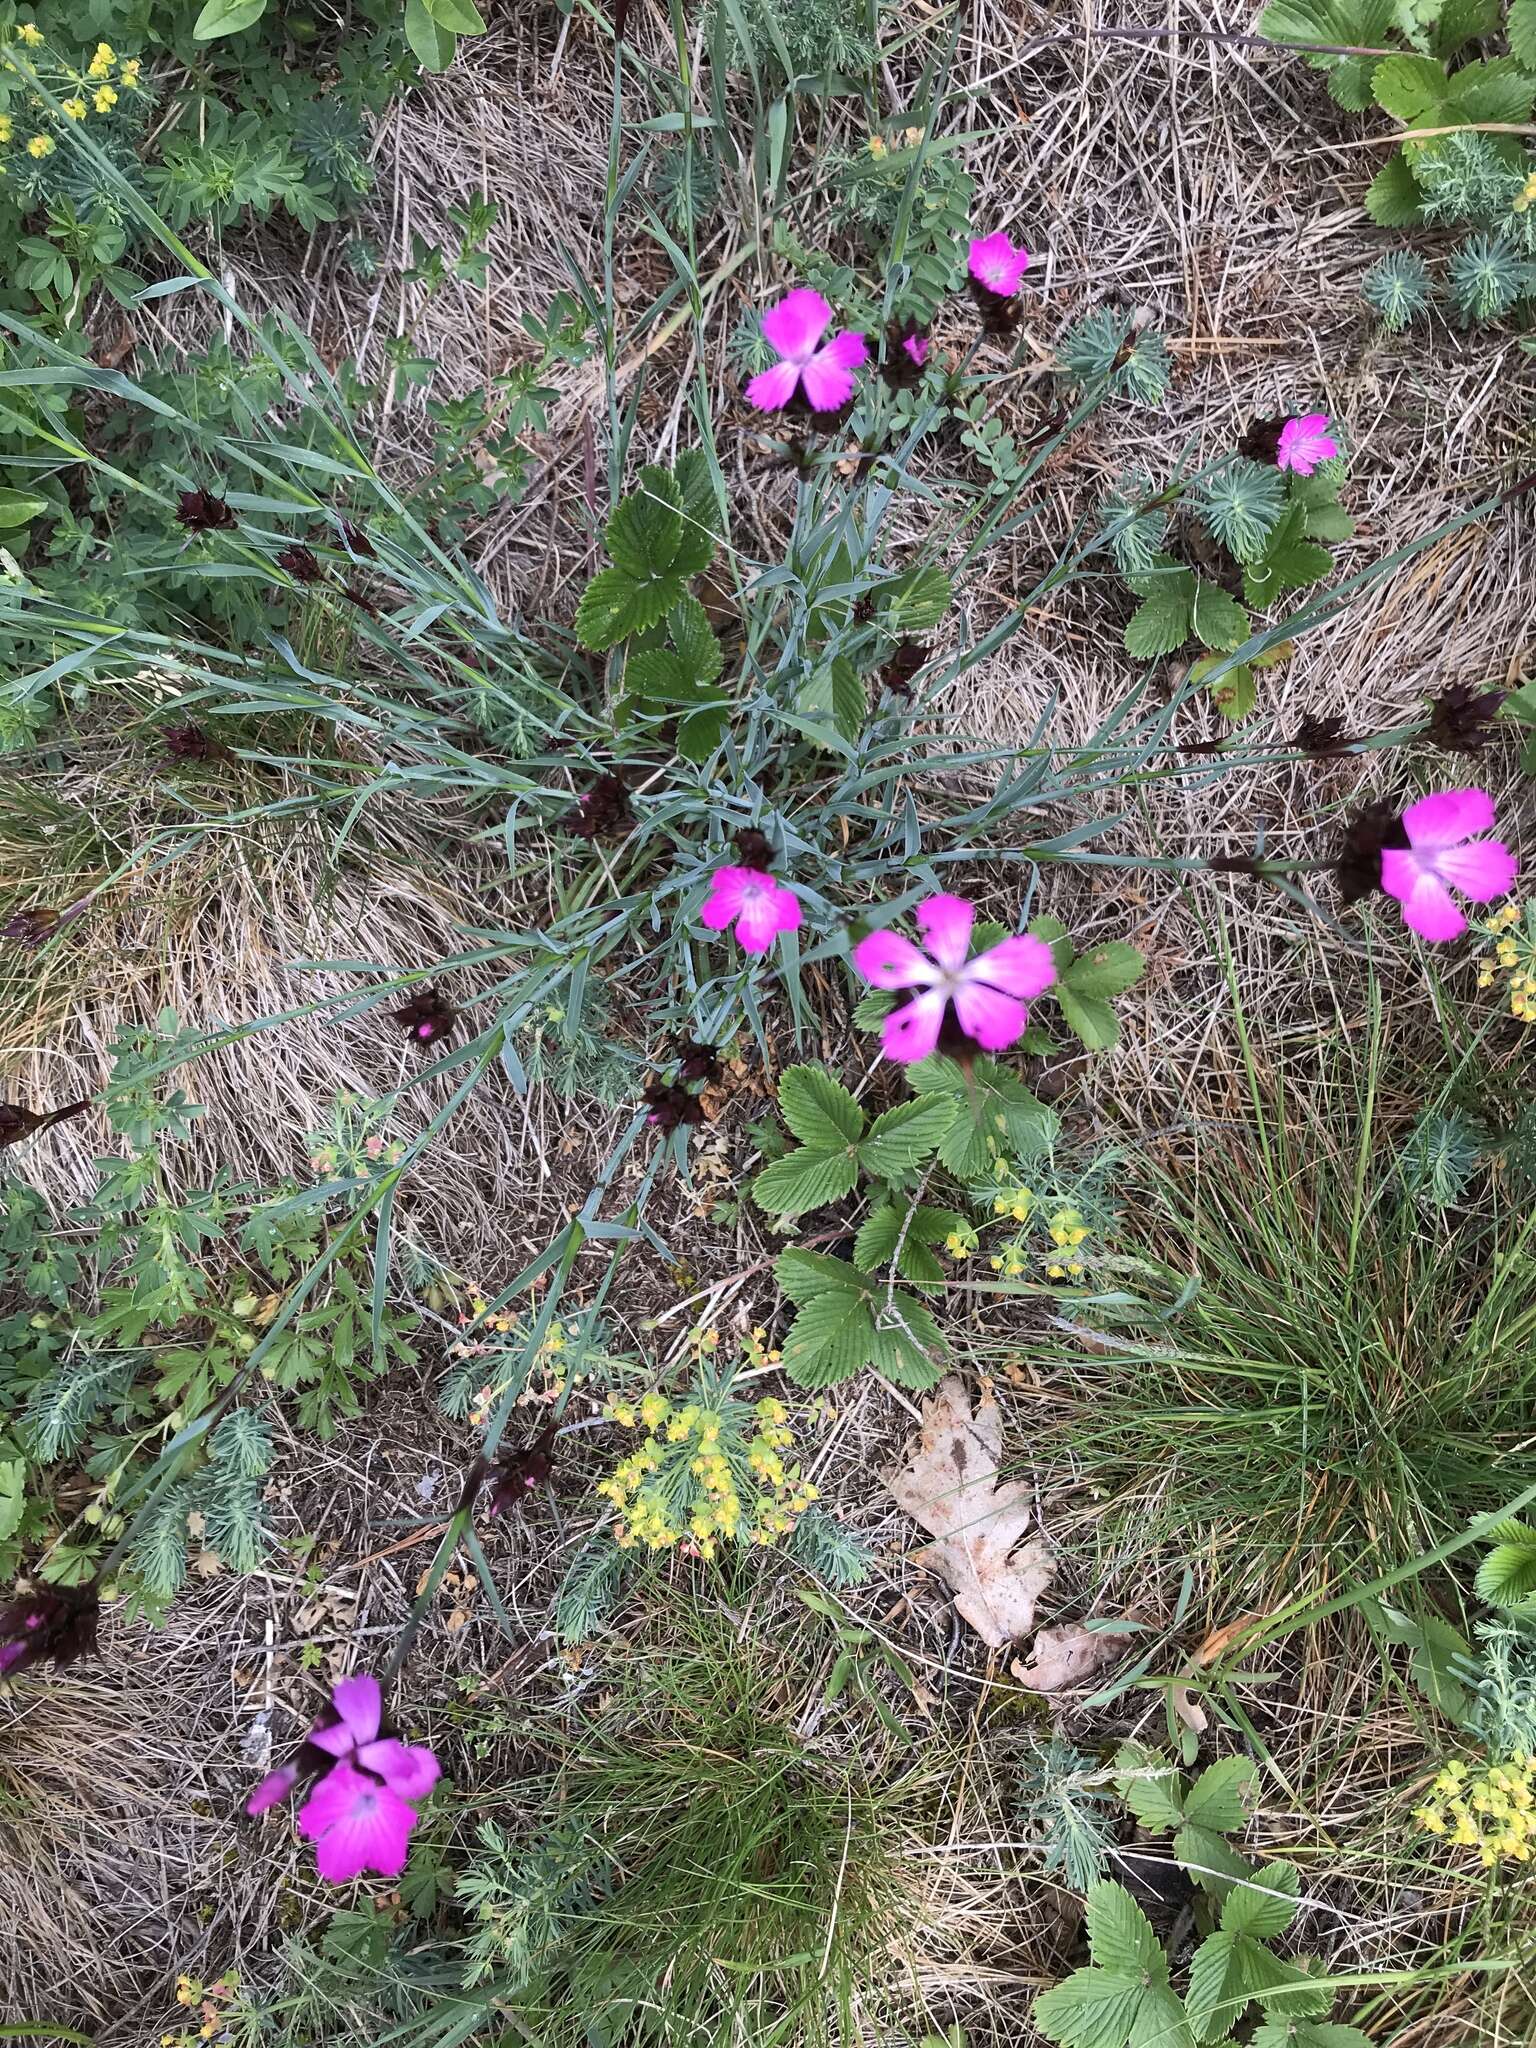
<point>996,265</point>
<point>758,906</point>
<point>360,1814</point>
<point>988,993</point>
<point>1305,442</point>
<point>1442,851</point>
<point>823,374</point>
<point>917,347</point>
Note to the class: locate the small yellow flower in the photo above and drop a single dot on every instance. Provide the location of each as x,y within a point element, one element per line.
<point>75,108</point>
<point>5,127</point>
<point>40,146</point>
<point>105,55</point>
<point>1525,198</point>
<point>30,33</point>
<point>877,147</point>
<point>1056,1272</point>
<point>130,74</point>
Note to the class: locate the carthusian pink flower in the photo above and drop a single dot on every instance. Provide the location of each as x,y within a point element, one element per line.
<point>821,374</point>
<point>758,906</point>
<point>988,993</point>
<point>996,265</point>
<point>1304,443</point>
<point>360,1814</point>
<point>1442,854</point>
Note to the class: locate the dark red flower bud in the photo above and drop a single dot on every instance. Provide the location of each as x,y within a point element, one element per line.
<point>907,350</point>
<point>754,850</point>
<point>301,563</point>
<point>1462,718</point>
<point>191,743</point>
<point>427,1017</point>
<point>1321,737</point>
<point>999,315</point>
<point>360,598</point>
<point>30,927</point>
<point>898,672</point>
<point>517,1473</point>
<point>697,1062</point>
<point>56,1622</point>
<point>1369,832</point>
<point>602,809</point>
<point>358,541</point>
<point>201,512</point>
<point>1261,440</point>
<point>671,1106</point>
<point>17,1123</point>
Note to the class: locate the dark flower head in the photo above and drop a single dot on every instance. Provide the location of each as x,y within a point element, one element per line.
<point>697,1062</point>
<point>999,316</point>
<point>670,1106</point>
<point>301,563</point>
<point>1261,440</point>
<point>191,743</point>
<point>427,1017</point>
<point>32,926</point>
<point>517,1473</point>
<point>201,512</point>
<point>831,422</point>
<point>17,1123</point>
<point>1461,719</point>
<point>1320,736</point>
<point>57,1622</point>
<point>908,658</point>
<point>907,350</point>
<point>358,541</point>
<point>602,809</point>
<point>1372,829</point>
<point>360,598</point>
<point>754,850</point>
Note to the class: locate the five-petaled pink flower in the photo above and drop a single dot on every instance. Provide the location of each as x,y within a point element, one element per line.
<point>758,906</point>
<point>360,1815</point>
<point>989,993</point>
<point>1441,851</point>
<point>1305,442</point>
<point>996,265</point>
<point>824,374</point>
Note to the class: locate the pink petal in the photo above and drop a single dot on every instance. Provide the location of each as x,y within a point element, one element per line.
<point>336,1740</point>
<point>360,1704</point>
<point>408,1769</point>
<point>797,323</point>
<point>887,960</point>
<point>1482,870</point>
<point>356,1824</point>
<point>1427,905</point>
<point>1447,817</point>
<point>1022,966</point>
<point>1304,443</point>
<point>912,1032</point>
<point>995,263</point>
<point>990,1017</point>
<point>828,376</point>
<point>917,347</point>
<point>274,1786</point>
<point>764,915</point>
<point>945,923</point>
<point>727,893</point>
<point>771,389</point>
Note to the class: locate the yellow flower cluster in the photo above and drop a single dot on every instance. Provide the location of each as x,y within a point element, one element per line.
<point>684,1484</point>
<point>103,97</point>
<point>1514,955</point>
<point>546,1376</point>
<point>1492,1809</point>
<point>1013,1199</point>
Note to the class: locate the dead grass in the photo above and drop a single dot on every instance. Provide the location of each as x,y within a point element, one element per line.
<point>1211,183</point>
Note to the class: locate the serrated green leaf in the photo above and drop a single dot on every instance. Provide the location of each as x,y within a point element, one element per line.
<point>1349,83</point>
<point>1393,199</point>
<point>1120,1935</point>
<point>1159,625</point>
<point>1234,691</point>
<point>1055,935</point>
<point>1507,1575</point>
<point>646,527</point>
<point>655,673</point>
<point>1091,2009</point>
<point>804,1275</point>
<point>1264,1903</point>
<point>873,1007</point>
<point>1218,1798</point>
<point>1289,560</point>
<point>700,500</point>
<point>700,733</point>
<point>996,1111</point>
<point>819,1110</point>
<point>1219,621</point>
<point>1151,1787</point>
<point>1088,1017</point>
<point>887,1225</point>
<point>901,1137</point>
<point>1409,87</point>
<point>805,1179</point>
<point>226,18</point>
<point>830,1339</point>
<point>1210,1860</point>
<point>1159,2021</point>
<point>915,602</point>
<point>698,649</point>
<point>1300,2033</point>
<point>614,605</point>
<point>462,16</point>
<point>13,1495</point>
<point>1327,522</point>
<point>1109,970</point>
<point>850,700</point>
<point>432,46</point>
<point>1520,27</point>
<point>1490,89</point>
<point>908,1345</point>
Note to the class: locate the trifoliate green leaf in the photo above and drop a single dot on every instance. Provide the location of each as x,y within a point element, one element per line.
<point>1219,1796</point>
<point>902,1137</point>
<point>1264,1904</point>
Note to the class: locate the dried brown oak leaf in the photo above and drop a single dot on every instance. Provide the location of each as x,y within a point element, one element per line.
<point>949,1485</point>
<point>1059,1657</point>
